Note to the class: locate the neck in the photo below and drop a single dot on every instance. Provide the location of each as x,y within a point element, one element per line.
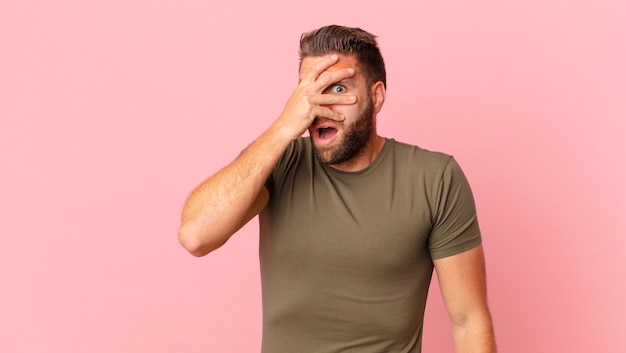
<point>364,158</point>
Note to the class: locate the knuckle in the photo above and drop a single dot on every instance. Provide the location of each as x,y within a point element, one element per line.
<point>306,99</point>
<point>325,79</point>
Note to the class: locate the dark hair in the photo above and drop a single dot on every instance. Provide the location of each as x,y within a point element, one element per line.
<point>348,41</point>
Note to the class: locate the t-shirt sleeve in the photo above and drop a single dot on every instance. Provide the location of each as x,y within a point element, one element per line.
<point>455,227</point>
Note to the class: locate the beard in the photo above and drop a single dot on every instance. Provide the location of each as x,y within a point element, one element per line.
<point>355,139</point>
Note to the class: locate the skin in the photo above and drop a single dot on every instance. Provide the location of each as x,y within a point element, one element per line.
<point>354,85</point>
<point>226,201</point>
<point>462,281</point>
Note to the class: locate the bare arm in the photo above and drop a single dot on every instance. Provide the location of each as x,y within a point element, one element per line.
<point>229,199</point>
<point>463,287</point>
<point>226,201</point>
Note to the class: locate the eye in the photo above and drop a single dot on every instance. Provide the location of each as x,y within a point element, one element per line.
<point>337,89</point>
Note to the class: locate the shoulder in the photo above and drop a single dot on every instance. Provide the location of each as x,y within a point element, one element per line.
<point>299,152</point>
<point>416,151</point>
<point>296,149</point>
<point>299,146</point>
<point>432,162</point>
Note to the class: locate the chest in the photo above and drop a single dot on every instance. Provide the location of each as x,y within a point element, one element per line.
<point>374,225</point>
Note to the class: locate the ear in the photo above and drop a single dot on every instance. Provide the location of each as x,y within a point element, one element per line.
<point>378,94</point>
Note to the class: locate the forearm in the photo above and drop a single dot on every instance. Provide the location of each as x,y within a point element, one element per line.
<point>474,335</point>
<point>222,204</point>
<point>229,199</point>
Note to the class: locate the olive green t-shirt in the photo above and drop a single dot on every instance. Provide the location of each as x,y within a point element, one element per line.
<point>346,257</point>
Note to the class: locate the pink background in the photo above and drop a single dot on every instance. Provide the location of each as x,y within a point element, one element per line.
<point>111,111</point>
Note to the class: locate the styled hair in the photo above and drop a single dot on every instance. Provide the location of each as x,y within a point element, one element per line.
<point>347,41</point>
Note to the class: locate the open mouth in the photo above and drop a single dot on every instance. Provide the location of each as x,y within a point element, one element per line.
<point>326,132</point>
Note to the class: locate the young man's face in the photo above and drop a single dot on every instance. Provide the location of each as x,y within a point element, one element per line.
<point>338,142</point>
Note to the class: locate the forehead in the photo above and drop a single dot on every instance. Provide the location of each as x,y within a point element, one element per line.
<point>345,61</point>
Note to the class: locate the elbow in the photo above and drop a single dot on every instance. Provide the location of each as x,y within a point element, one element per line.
<point>194,241</point>
<point>476,321</point>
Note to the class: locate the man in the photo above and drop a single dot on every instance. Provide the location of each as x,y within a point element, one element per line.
<point>351,223</point>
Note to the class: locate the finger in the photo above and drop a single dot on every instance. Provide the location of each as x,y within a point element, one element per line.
<point>332,99</point>
<point>330,77</point>
<point>323,112</point>
<point>319,66</point>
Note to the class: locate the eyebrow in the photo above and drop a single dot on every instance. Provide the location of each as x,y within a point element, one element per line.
<point>346,81</point>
